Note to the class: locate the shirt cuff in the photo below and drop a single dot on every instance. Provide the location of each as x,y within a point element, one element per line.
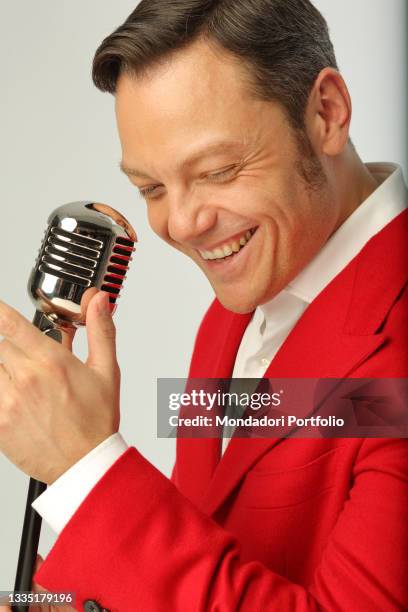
<point>62,499</point>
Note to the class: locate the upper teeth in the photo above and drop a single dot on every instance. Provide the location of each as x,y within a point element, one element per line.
<point>227,249</point>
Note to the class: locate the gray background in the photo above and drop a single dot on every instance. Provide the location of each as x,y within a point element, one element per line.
<point>59,144</point>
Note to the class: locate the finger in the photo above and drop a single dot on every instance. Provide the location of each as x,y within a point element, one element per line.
<point>13,359</point>
<point>85,299</point>
<point>38,588</point>
<point>38,563</point>
<point>4,375</point>
<point>6,384</point>
<point>18,330</point>
<point>101,335</point>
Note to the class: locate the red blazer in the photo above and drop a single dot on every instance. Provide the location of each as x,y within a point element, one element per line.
<point>290,525</point>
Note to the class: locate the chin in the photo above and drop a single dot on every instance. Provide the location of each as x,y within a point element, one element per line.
<point>246,299</point>
<point>236,304</point>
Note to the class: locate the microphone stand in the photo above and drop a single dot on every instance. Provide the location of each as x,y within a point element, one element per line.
<point>32,520</point>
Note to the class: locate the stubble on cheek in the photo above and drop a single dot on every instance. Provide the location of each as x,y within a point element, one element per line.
<point>308,166</point>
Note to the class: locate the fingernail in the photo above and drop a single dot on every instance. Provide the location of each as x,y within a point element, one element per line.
<point>104,304</point>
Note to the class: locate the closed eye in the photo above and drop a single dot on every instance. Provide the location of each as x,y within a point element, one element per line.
<point>151,190</point>
<point>223,174</point>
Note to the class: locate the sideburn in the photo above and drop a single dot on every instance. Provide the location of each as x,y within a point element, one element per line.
<point>308,165</point>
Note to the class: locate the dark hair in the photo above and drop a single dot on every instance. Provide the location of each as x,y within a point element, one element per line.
<point>284,44</point>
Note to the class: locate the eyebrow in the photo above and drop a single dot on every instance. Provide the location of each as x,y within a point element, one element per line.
<point>132,171</point>
<point>211,149</point>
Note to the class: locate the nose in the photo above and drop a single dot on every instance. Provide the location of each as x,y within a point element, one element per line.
<point>190,216</point>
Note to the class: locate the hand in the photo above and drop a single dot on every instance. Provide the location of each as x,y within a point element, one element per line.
<point>38,589</point>
<point>54,408</point>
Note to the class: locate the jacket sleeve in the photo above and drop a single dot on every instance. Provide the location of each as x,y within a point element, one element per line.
<point>136,543</point>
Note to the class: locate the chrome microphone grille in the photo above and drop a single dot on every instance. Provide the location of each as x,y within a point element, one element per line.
<point>87,246</point>
<point>118,265</point>
<point>71,256</point>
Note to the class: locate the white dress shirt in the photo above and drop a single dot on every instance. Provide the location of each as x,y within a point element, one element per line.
<point>269,327</point>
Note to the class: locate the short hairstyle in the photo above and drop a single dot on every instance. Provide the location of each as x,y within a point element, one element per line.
<point>283,44</point>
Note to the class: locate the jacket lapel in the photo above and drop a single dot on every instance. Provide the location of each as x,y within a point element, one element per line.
<point>197,458</point>
<point>337,332</point>
<point>305,354</point>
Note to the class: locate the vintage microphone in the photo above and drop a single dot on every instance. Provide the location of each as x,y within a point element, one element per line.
<point>87,247</point>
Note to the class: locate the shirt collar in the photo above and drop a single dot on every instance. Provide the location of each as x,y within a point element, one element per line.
<point>385,203</point>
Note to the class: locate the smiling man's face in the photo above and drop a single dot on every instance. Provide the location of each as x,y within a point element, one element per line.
<point>223,175</point>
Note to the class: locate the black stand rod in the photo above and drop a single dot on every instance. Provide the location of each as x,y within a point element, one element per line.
<point>29,542</point>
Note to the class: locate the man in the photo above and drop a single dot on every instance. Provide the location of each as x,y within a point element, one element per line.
<point>234,124</point>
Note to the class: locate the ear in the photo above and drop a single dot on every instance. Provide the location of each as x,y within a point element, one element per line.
<point>328,113</point>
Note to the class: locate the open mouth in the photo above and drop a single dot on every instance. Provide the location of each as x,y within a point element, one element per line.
<point>229,249</point>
